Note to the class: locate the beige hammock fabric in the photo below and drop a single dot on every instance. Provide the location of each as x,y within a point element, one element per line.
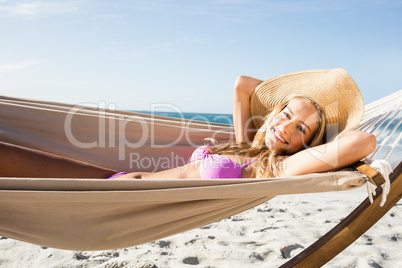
<point>98,214</point>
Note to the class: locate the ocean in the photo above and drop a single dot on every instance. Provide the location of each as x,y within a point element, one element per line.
<point>226,119</point>
<point>394,158</point>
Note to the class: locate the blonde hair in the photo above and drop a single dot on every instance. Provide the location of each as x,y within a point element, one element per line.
<point>269,162</point>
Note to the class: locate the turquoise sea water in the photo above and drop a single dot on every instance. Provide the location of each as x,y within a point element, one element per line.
<point>394,158</point>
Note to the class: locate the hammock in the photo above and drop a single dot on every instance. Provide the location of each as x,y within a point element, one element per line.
<point>95,214</point>
<point>382,118</point>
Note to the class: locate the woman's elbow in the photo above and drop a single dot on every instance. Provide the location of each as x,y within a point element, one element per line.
<point>240,83</point>
<point>245,85</point>
<point>366,142</point>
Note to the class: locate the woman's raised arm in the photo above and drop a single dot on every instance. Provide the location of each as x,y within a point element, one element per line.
<point>243,126</point>
<point>350,148</point>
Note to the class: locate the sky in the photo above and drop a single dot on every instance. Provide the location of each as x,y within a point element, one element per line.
<point>186,55</point>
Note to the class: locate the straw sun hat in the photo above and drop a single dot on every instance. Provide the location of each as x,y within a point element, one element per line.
<point>334,91</point>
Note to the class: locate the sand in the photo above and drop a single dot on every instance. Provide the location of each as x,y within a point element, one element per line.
<point>265,236</point>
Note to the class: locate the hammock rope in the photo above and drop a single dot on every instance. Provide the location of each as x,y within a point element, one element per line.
<point>385,169</point>
<point>386,139</point>
<point>396,142</point>
<point>378,115</point>
<point>373,124</point>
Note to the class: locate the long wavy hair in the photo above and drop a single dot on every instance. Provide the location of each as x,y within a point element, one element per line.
<point>269,162</point>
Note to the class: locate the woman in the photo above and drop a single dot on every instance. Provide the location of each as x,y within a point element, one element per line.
<point>289,142</point>
<point>303,121</point>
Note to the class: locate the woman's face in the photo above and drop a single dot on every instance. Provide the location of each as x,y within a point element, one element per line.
<point>294,127</point>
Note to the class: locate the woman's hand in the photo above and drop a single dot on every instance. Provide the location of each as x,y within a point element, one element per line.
<point>243,126</point>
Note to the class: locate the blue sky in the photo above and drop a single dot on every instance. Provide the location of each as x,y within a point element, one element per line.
<point>134,54</point>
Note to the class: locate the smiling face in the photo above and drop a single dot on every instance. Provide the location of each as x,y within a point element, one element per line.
<point>294,127</point>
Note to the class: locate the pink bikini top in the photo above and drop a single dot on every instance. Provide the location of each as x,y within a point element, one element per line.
<point>216,166</point>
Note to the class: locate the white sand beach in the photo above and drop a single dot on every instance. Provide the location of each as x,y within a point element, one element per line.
<point>265,236</point>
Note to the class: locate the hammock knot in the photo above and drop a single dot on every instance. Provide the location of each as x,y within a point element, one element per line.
<point>385,169</point>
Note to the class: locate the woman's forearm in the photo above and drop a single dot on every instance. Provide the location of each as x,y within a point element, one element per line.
<point>350,148</point>
<point>243,126</point>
